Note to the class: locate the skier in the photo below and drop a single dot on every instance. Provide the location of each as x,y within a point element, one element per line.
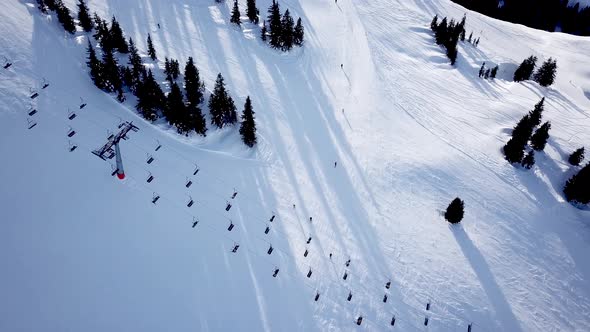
<point>310,219</point>
<point>158,25</point>
<point>335,164</point>
<point>330,255</point>
<point>341,66</point>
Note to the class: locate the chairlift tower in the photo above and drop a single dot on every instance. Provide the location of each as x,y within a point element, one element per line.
<point>106,151</point>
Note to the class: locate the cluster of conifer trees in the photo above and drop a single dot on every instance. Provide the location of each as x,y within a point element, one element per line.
<point>281,32</point>
<point>488,72</point>
<point>448,35</point>
<point>181,110</point>
<point>517,146</point>
<point>545,75</point>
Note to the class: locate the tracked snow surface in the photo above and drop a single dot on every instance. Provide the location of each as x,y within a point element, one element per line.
<point>82,251</point>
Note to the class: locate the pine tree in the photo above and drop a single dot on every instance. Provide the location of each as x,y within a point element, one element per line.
<point>42,6</point>
<point>84,16</point>
<point>221,105</point>
<point>298,33</point>
<point>248,126</point>
<point>470,36</point>
<point>151,49</point>
<point>110,72</point>
<point>577,188</point>
<point>175,110</point>
<point>537,113</point>
<point>252,11</point>
<point>487,74</point>
<point>127,77</point>
<point>150,97</point>
<point>545,76</point>
<point>116,37</point>
<point>434,23</point>
<point>235,14</point>
<point>539,139</point>
<point>167,69</point>
<point>514,150</point>
<point>455,211</point>
<point>192,84</point>
<point>576,157</point>
<point>494,72</point>
<point>524,129</point>
<point>194,95</point>
<point>274,24</point>
<point>263,31</point>
<point>65,18</point>
<point>52,4</point>
<point>525,70</point>
<point>287,25</point>
<point>95,67</point>
<point>482,69</point>
<point>102,34</point>
<point>529,160</point>
<point>137,68</point>
<point>441,32</point>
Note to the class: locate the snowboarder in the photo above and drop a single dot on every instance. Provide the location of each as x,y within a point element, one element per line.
<point>341,66</point>
<point>310,219</point>
<point>158,26</point>
<point>330,255</point>
<point>335,164</point>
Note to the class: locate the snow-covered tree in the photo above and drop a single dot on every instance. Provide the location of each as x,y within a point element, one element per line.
<point>248,126</point>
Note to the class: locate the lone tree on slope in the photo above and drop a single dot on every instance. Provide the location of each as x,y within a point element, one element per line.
<point>252,11</point>
<point>455,211</point>
<point>221,105</point>
<point>248,126</point>
<point>545,76</point>
<point>576,157</point>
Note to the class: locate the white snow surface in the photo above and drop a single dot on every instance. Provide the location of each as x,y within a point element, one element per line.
<point>83,251</point>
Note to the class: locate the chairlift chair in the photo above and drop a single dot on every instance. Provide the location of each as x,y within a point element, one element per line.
<point>82,103</point>
<point>393,321</point>
<point>188,183</point>
<point>228,206</point>
<point>71,132</point>
<point>195,222</point>
<point>276,272</point>
<point>32,110</point>
<point>31,123</point>
<point>158,146</point>
<point>196,170</point>
<point>347,263</point>
<point>7,63</point>
<point>150,178</point>
<point>385,298</point>
<point>469,327</point>
<point>270,249</point>
<point>234,194</point>
<point>190,202</point>
<point>155,198</point>
<point>345,275</point>
<point>231,226</point>
<point>426,321</point>
<point>150,159</point>
<point>72,147</point>
<point>34,93</point>
<point>309,273</point>
<point>317,296</point>
<point>266,230</point>
<point>309,240</point>
<point>359,320</point>
<point>428,306</point>
<point>272,218</point>
<point>305,253</point>
<point>388,284</point>
<point>71,115</point>
<point>45,83</point>
<point>349,296</point>
<point>235,249</point>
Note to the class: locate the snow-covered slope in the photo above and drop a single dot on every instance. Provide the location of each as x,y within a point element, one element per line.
<point>82,251</point>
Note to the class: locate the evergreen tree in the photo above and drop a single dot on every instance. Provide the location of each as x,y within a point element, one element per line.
<point>52,4</point>
<point>111,75</point>
<point>167,69</point>
<point>95,67</point>
<point>150,97</point>
<point>287,25</point>
<point>537,113</point>
<point>127,77</point>
<point>577,188</point>
<point>482,69</point>
<point>514,150</point>
<point>102,33</point>
<point>494,72</point>
<point>545,76</point>
<point>137,68</point>
<point>524,129</point>
<point>525,70</point>
<point>116,37</point>
<point>529,160</point>
<point>175,110</point>
<point>263,31</point>
<point>576,157</point>
<point>455,211</point>
<point>487,74</point>
<point>539,139</point>
<point>192,84</point>
<point>151,49</point>
<point>274,24</point>
<point>434,23</point>
<point>441,32</point>
<point>235,14</point>
<point>252,11</point>
<point>197,120</point>
<point>298,33</point>
<point>221,105</point>
<point>84,16</point>
<point>470,36</point>
<point>65,18</point>
<point>248,126</point>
